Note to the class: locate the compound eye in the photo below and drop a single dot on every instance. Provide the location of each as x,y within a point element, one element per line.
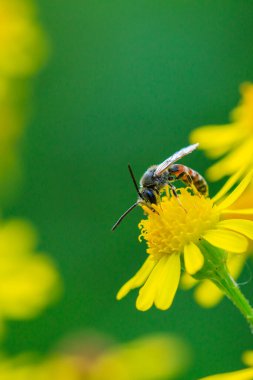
<point>149,194</point>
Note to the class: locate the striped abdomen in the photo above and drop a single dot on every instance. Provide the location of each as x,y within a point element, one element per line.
<point>188,176</point>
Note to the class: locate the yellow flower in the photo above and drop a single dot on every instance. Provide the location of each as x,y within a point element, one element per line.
<point>243,374</point>
<point>167,357</point>
<point>185,227</point>
<point>232,142</point>
<point>28,280</point>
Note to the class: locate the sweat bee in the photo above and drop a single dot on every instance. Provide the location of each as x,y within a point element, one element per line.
<point>158,176</point>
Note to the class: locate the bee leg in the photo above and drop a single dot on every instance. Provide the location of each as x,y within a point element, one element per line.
<point>191,184</point>
<point>173,189</point>
<point>152,209</point>
<point>155,211</point>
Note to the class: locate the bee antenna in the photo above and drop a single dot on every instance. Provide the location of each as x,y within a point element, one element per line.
<point>134,181</point>
<point>123,216</point>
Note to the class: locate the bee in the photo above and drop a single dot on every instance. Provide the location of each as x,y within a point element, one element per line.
<point>158,176</point>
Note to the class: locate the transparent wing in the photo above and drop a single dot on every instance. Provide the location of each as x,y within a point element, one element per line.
<point>175,157</point>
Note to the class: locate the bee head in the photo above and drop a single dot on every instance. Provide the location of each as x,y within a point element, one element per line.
<point>146,196</point>
<point>149,196</point>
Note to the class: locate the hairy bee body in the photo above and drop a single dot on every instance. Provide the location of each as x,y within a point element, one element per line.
<point>151,184</point>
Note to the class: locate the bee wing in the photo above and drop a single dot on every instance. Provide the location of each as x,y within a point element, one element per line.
<point>175,157</point>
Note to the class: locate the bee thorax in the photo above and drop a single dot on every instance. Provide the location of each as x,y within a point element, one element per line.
<point>148,178</point>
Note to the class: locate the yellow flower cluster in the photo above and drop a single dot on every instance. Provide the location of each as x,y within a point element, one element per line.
<point>29,280</point>
<point>206,238</point>
<point>233,144</point>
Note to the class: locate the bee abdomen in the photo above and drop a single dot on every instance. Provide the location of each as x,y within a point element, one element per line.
<point>189,177</point>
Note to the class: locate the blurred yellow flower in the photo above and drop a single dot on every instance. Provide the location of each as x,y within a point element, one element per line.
<point>23,46</point>
<point>28,280</point>
<point>148,358</point>
<point>232,142</point>
<point>30,367</point>
<point>243,374</point>
<point>23,51</point>
<point>167,357</point>
<point>181,228</point>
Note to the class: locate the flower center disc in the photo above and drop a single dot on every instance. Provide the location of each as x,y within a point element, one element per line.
<point>177,222</point>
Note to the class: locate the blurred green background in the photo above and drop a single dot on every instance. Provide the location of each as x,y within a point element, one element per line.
<point>126,82</point>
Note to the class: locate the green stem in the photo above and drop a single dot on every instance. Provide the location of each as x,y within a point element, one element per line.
<point>228,285</point>
<point>215,269</point>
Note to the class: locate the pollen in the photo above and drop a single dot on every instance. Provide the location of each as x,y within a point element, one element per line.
<point>177,222</point>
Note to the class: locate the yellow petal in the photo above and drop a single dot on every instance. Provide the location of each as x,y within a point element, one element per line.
<point>187,282</point>
<point>217,171</point>
<point>193,258</point>
<point>207,294</point>
<point>235,263</point>
<point>237,192</point>
<point>227,240</point>
<point>207,136</point>
<point>242,226</point>
<point>228,185</point>
<point>244,374</point>
<point>214,153</point>
<point>147,293</point>
<point>237,159</point>
<point>168,284</point>
<point>245,211</point>
<point>138,279</point>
